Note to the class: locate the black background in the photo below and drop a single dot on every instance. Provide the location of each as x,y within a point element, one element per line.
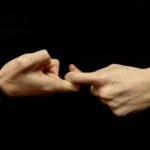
<point>91,35</point>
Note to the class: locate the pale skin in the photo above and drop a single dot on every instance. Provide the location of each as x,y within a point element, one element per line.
<point>122,88</point>
<point>33,74</point>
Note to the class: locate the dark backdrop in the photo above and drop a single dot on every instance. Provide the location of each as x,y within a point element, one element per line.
<point>91,35</point>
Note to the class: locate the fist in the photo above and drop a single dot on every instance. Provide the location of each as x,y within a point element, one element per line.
<point>33,74</point>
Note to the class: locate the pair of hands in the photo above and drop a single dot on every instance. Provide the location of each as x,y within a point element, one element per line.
<point>123,89</point>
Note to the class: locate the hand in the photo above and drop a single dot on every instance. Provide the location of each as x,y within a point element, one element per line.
<point>32,75</point>
<point>124,89</point>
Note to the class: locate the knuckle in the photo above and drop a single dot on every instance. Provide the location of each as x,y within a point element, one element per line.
<point>112,104</point>
<point>44,52</point>
<point>104,93</point>
<point>113,65</point>
<point>56,61</point>
<point>109,92</point>
<point>118,112</point>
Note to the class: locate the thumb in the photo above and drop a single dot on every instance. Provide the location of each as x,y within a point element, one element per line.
<point>75,76</point>
<point>73,68</point>
<point>66,86</point>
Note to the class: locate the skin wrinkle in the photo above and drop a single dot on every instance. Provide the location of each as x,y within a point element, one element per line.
<point>125,90</point>
<point>33,74</point>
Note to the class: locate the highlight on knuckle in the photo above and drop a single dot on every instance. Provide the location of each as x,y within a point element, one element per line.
<point>45,53</point>
<point>113,65</point>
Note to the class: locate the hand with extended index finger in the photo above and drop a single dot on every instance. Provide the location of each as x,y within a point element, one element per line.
<point>124,89</point>
<point>33,74</point>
